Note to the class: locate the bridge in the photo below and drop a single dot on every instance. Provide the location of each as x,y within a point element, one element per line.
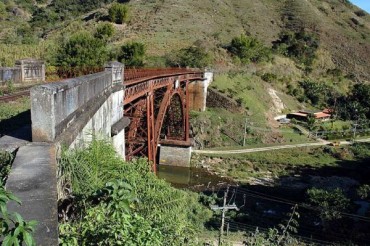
<point>139,109</point>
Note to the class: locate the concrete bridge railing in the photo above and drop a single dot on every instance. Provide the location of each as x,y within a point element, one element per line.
<point>25,71</point>
<point>72,111</point>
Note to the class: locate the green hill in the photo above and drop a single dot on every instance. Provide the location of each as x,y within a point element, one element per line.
<point>320,47</point>
<point>167,25</point>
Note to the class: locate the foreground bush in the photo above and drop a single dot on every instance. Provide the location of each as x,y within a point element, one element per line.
<point>125,203</point>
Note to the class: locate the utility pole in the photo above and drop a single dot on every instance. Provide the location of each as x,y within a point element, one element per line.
<point>245,130</point>
<point>223,217</point>
<point>224,208</point>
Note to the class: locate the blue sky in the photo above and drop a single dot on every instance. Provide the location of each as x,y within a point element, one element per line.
<point>364,4</point>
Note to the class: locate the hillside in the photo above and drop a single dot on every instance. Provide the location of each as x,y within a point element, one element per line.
<point>171,24</point>
<point>167,25</point>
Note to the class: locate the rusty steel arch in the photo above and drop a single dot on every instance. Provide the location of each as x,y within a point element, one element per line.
<point>147,104</point>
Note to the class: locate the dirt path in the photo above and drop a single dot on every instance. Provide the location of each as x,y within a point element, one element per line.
<point>270,148</point>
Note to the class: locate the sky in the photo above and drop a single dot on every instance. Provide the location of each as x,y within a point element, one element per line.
<point>364,4</point>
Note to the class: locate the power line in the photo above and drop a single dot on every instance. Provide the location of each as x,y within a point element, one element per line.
<point>339,237</point>
<point>237,226</point>
<point>256,194</point>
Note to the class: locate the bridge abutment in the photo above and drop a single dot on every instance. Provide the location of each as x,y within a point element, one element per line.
<point>198,92</point>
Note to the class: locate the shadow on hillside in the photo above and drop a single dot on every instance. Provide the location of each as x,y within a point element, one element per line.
<point>265,205</point>
<point>18,126</point>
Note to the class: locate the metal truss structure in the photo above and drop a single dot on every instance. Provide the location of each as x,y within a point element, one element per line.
<point>157,103</point>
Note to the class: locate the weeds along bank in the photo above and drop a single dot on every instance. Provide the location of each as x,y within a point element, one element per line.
<point>106,201</point>
<point>349,161</point>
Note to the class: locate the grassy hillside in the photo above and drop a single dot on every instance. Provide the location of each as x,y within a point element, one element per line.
<point>341,31</point>
<point>167,25</point>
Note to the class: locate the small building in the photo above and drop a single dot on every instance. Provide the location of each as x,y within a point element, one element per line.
<point>322,116</point>
<point>298,116</point>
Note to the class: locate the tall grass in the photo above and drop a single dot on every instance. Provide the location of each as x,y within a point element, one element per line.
<point>5,164</point>
<point>12,52</point>
<point>176,213</point>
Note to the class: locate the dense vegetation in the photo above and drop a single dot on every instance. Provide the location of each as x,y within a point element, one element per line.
<point>124,203</point>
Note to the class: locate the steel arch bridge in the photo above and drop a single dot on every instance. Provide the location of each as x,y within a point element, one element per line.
<point>157,103</point>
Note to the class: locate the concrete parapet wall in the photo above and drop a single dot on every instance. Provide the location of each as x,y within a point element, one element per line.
<point>54,106</point>
<point>73,111</point>
<point>32,70</point>
<point>25,71</point>
<point>10,74</point>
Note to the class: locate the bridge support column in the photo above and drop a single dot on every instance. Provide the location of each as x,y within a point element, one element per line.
<point>172,155</point>
<point>150,130</point>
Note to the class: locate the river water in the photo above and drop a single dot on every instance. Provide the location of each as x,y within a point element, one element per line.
<point>195,179</point>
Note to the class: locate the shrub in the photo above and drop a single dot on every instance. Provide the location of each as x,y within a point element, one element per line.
<point>132,54</point>
<point>360,13</point>
<point>192,56</point>
<point>104,31</point>
<point>269,77</point>
<point>249,49</point>
<point>301,46</point>
<point>119,13</point>
<point>82,50</point>
<point>329,203</point>
<point>44,19</point>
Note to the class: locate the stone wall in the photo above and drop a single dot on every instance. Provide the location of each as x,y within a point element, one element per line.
<point>215,99</point>
<point>10,74</point>
<point>25,71</point>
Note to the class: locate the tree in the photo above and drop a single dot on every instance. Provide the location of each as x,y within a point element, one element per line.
<point>119,13</point>
<point>311,123</point>
<point>330,203</point>
<point>132,54</point>
<point>356,105</point>
<point>364,191</point>
<point>82,50</point>
<point>249,49</point>
<point>192,56</point>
